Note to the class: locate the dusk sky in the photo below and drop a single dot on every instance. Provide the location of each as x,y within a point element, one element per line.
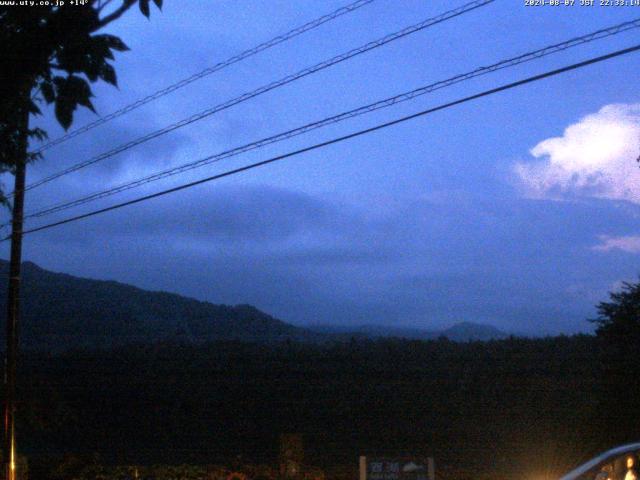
<point>520,210</point>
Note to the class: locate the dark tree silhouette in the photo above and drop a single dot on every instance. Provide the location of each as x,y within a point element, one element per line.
<point>51,54</point>
<point>618,329</point>
<point>618,320</point>
<point>48,53</point>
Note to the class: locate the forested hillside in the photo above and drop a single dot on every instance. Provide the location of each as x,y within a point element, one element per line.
<point>61,311</point>
<point>491,408</point>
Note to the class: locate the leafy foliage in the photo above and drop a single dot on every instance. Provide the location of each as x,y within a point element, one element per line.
<point>51,54</point>
<point>619,319</point>
<point>618,329</point>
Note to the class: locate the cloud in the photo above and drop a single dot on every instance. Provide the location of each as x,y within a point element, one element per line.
<point>242,223</point>
<point>594,157</point>
<point>628,244</point>
<point>311,258</point>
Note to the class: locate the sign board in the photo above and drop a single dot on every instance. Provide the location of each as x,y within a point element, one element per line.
<point>397,468</point>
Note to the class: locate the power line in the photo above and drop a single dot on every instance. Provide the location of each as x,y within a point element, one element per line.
<point>359,133</point>
<point>208,71</point>
<point>388,102</point>
<point>271,86</point>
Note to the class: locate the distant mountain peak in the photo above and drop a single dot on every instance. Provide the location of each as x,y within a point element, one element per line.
<point>459,332</point>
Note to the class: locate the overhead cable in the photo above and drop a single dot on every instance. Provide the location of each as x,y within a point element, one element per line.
<point>208,71</point>
<point>387,102</point>
<point>266,88</point>
<point>359,133</point>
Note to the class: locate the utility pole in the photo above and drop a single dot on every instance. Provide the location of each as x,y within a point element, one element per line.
<point>9,454</point>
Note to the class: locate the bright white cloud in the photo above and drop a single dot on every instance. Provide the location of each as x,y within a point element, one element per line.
<point>595,157</point>
<point>630,244</point>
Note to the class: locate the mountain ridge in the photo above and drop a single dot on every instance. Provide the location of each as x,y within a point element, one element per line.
<point>460,332</point>
<point>62,311</point>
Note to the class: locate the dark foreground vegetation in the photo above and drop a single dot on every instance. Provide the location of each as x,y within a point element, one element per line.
<point>513,408</point>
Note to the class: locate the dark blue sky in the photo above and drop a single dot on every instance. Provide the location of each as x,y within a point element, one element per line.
<point>520,210</point>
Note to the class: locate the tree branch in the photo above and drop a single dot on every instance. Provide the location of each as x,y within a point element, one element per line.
<point>103,4</point>
<point>126,5</point>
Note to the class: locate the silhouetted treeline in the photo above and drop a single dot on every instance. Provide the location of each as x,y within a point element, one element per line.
<point>509,406</point>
